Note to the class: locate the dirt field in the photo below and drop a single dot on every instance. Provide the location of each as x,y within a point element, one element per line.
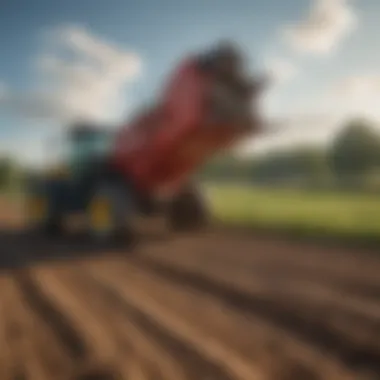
<point>217,306</point>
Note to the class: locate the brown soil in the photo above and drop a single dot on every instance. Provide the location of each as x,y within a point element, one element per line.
<point>214,306</point>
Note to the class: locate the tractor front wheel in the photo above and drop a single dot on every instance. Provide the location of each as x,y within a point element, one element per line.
<point>110,213</point>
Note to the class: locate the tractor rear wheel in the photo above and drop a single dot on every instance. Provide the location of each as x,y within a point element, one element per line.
<point>110,213</point>
<point>188,210</point>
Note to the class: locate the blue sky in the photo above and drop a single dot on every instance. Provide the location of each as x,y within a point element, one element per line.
<point>313,66</point>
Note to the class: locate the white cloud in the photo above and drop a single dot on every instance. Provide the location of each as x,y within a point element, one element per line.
<point>313,130</point>
<point>280,70</point>
<point>80,76</point>
<point>358,86</point>
<point>328,22</point>
<point>357,94</point>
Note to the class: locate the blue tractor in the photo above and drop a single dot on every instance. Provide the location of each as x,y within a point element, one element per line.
<point>66,188</point>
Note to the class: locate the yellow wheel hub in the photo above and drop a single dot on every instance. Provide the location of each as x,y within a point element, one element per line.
<point>100,214</point>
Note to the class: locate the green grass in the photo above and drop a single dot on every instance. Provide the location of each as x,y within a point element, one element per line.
<point>302,213</point>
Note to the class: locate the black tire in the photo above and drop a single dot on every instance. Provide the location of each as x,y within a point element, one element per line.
<point>51,223</point>
<point>53,227</point>
<point>121,207</point>
<point>188,211</point>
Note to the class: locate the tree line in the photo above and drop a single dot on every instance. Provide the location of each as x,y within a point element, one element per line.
<point>11,174</point>
<point>352,160</point>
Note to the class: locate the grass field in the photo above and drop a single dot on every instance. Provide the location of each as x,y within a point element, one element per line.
<point>299,212</point>
<point>295,212</point>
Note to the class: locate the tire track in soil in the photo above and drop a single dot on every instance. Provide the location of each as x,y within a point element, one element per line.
<point>25,364</point>
<point>269,352</point>
<point>315,298</point>
<point>97,347</point>
<point>366,290</point>
<point>36,354</point>
<point>356,275</point>
<point>204,359</point>
<point>138,351</point>
<point>124,310</point>
<point>287,281</point>
<point>319,335</point>
<point>364,287</point>
<point>65,332</point>
<point>10,363</point>
<point>194,365</point>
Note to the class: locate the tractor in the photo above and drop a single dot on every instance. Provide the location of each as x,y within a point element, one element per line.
<point>146,167</point>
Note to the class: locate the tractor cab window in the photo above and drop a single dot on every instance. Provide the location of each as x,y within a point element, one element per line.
<point>94,144</point>
<point>85,146</point>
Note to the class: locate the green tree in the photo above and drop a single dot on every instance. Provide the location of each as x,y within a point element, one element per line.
<point>355,152</point>
<point>301,165</point>
<point>6,168</point>
<point>310,165</point>
<point>11,175</point>
<point>228,168</point>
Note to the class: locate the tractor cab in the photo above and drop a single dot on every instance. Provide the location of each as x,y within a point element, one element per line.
<point>86,145</point>
<point>75,152</point>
